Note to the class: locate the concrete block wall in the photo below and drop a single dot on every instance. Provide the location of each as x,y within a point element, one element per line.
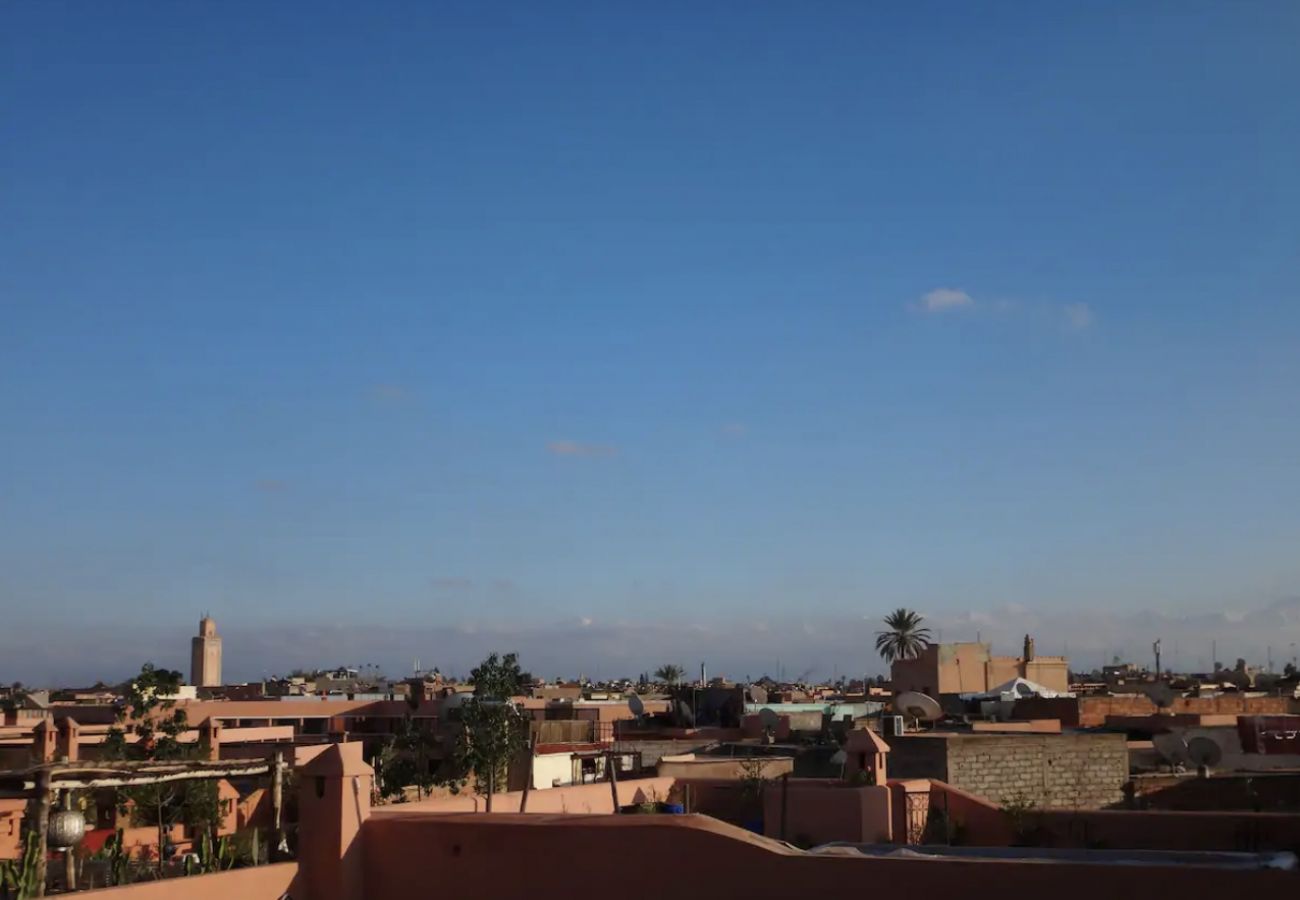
<point>1075,771</point>
<point>1048,771</point>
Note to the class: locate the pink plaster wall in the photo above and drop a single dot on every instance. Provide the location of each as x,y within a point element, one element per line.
<point>819,811</point>
<point>584,798</point>
<point>257,883</point>
<point>650,857</point>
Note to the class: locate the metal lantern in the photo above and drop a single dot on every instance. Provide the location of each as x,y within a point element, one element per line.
<point>67,828</point>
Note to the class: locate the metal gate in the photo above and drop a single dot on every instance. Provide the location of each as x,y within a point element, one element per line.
<point>918,816</point>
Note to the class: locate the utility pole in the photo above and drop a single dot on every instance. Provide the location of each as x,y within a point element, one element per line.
<point>1155,648</point>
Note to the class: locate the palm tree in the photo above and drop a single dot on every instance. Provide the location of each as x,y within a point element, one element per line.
<point>904,637</point>
<point>670,673</point>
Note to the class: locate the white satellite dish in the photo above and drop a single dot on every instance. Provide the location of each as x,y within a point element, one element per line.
<point>757,693</point>
<point>769,718</point>
<point>635,705</point>
<point>1204,751</point>
<point>918,706</point>
<point>453,700</point>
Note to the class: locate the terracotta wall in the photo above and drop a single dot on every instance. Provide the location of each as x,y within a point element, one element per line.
<point>819,811</point>
<point>649,857</point>
<point>981,824</point>
<point>259,883</point>
<point>585,798</point>
<point>1091,712</point>
<point>1167,830</point>
<point>1243,793</point>
<point>731,768</point>
<point>968,819</point>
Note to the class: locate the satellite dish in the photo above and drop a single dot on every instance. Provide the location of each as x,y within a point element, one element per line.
<point>839,758</point>
<point>918,706</point>
<point>635,705</point>
<point>1162,695</point>
<point>684,714</point>
<point>757,693</point>
<point>453,700</point>
<point>1204,751</point>
<point>769,718</point>
<point>1172,748</point>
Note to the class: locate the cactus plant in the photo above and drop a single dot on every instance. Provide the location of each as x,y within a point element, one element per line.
<point>119,859</point>
<point>19,875</point>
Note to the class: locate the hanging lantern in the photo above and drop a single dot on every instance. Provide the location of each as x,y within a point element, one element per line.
<point>67,828</point>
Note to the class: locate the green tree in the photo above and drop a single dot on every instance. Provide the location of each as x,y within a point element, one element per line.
<point>491,729</point>
<point>150,716</point>
<point>404,760</point>
<point>904,637</point>
<point>669,673</point>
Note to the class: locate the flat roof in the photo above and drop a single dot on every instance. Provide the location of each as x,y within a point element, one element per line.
<point>1049,855</point>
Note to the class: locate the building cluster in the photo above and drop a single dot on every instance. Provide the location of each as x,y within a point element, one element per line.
<point>1116,781</point>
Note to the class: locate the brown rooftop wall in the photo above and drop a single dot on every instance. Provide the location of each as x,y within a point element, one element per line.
<point>977,822</point>
<point>1091,712</point>
<point>650,857</point>
<point>272,882</point>
<point>1164,830</point>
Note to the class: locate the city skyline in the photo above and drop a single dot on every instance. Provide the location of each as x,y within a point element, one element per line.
<point>616,649</point>
<point>633,327</point>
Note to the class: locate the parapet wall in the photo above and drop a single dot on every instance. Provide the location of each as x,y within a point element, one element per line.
<point>650,857</point>
<point>1091,712</point>
<point>272,882</point>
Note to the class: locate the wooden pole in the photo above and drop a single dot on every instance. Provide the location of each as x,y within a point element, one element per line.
<point>492,786</point>
<point>613,780</point>
<point>528,782</point>
<point>42,828</point>
<point>277,805</point>
<point>785,790</point>
<point>69,857</point>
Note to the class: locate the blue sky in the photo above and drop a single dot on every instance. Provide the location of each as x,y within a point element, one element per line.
<point>592,332</point>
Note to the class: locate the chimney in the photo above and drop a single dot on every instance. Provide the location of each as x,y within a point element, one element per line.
<point>70,738</point>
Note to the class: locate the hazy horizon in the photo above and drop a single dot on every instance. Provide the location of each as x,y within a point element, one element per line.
<point>740,650</point>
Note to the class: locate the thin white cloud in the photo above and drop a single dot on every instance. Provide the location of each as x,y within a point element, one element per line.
<point>577,448</point>
<point>943,299</point>
<point>389,395</point>
<point>1078,316</point>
